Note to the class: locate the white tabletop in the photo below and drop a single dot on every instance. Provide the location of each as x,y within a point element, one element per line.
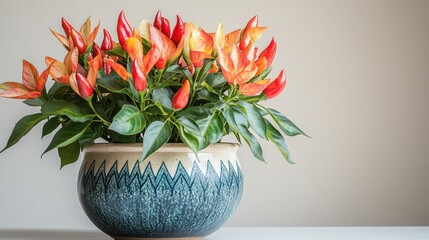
<point>293,233</point>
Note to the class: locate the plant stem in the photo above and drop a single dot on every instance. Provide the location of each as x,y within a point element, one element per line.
<point>105,122</point>
<point>142,107</point>
<point>160,73</point>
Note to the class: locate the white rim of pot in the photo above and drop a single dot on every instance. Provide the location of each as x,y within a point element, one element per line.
<point>168,147</point>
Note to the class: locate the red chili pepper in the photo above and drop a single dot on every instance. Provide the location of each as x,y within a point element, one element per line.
<point>165,27</point>
<point>66,26</point>
<point>276,87</point>
<point>245,39</point>
<point>124,29</point>
<point>178,31</point>
<point>78,41</point>
<point>107,68</point>
<point>158,20</point>
<point>107,41</point>
<point>96,50</point>
<point>253,22</point>
<point>181,98</point>
<point>139,79</point>
<point>269,52</point>
<point>160,64</point>
<point>85,88</point>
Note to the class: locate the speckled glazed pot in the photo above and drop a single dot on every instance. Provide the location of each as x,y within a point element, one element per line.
<point>171,194</point>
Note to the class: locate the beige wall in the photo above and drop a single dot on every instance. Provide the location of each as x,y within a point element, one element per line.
<point>358,82</point>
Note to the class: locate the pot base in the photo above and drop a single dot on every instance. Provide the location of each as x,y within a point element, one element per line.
<point>132,238</point>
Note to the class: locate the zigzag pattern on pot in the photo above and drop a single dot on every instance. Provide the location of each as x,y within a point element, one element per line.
<point>162,176</point>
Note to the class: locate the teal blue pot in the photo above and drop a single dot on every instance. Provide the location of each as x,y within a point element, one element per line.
<point>171,194</point>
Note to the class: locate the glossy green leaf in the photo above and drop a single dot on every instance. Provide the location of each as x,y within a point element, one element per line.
<point>205,94</point>
<point>262,75</point>
<point>156,134</point>
<point>215,80</point>
<point>35,102</point>
<point>57,89</point>
<point>237,136</point>
<point>215,106</point>
<point>189,125</point>
<point>228,114</point>
<point>253,143</point>
<point>113,83</point>
<point>277,138</point>
<point>128,121</point>
<point>208,64</point>
<point>67,134</point>
<point>286,125</point>
<point>195,113</point>
<point>117,51</point>
<point>189,139</point>
<point>163,96</point>
<point>61,107</point>
<point>50,126</point>
<point>211,129</point>
<point>90,135</point>
<point>22,127</point>
<point>87,54</point>
<point>243,129</point>
<point>119,138</point>
<point>256,120</point>
<point>208,87</point>
<point>69,154</point>
<point>238,122</point>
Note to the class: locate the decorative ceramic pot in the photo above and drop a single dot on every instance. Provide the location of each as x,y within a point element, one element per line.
<point>171,194</point>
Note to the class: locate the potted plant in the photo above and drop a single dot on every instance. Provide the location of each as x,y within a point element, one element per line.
<point>161,98</point>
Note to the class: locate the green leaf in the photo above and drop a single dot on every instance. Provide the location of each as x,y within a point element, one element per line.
<point>208,64</point>
<point>262,75</point>
<point>228,114</point>
<point>50,126</point>
<point>163,96</point>
<point>67,135</point>
<point>57,89</point>
<point>86,55</point>
<point>238,122</point>
<point>113,83</point>
<point>286,125</point>
<point>69,154</point>
<point>119,138</point>
<point>22,127</point>
<point>117,51</point>
<point>243,130</point>
<point>207,95</point>
<point>211,129</point>
<point>256,121</point>
<point>61,107</point>
<point>189,139</point>
<point>277,138</point>
<point>195,113</point>
<point>253,143</point>
<point>35,102</point>
<point>92,133</point>
<point>156,134</point>
<point>187,73</point>
<point>128,121</point>
<point>215,80</point>
<point>189,125</point>
<point>237,136</point>
<point>208,87</point>
<point>215,106</point>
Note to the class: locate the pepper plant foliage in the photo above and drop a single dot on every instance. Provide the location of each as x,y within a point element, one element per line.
<point>155,85</point>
